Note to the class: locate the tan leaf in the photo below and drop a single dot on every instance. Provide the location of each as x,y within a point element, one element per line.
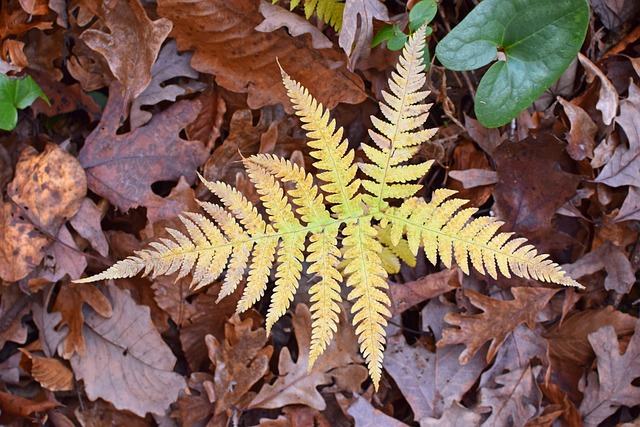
<point>126,361</point>
<point>613,385</point>
<point>357,27</point>
<point>169,65</point>
<point>296,384</point>
<point>515,400</point>
<point>582,133</point>
<point>455,415</point>
<point>122,168</point>
<point>244,60</point>
<point>51,373</point>
<point>608,102</point>
<point>132,45</point>
<point>277,17</point>
<point>46,191</point>
<point>69,303</point>
<point>499,319</point>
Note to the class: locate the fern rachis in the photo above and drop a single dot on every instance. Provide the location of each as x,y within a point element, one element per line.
<point>358,227</point>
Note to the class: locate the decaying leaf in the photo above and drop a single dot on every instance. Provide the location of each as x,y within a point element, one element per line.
<point>131,46</point>
<point>122,168</point>
<point>499,319</point>
<point>51,373</point>
<point>613,385</point>
<point>126,362</point>
<point>297,383</point>
<point>243,59</point>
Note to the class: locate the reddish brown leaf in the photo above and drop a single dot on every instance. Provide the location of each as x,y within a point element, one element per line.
<point>126,361</point>
<point>122,168</point>
<point>499,319</point>
<point>582,133</point>
<point>63,98</point>
<point>206,127</point>
<point>132,45</point>
<point>244,60</point>
<point>466,156</point>
<point>406,295</point>
<point>51,373</point>
<point>613,385</point>
<point>297,385</point>
<point>14,305</point>
<point>87,223</point>
<point>16,406</point>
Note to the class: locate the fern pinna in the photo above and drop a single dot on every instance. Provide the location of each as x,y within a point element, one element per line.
<point>338,225</point>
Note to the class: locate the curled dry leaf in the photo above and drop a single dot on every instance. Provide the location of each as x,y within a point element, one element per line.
<point>613,385</point>
<point>357,27</point>
<point>16,406</point>
<point>455,415</point>
<point>46,191</point>
<point>297,383</point>
<point>126,362</point>
<point>499,319</point>
<point>132,45</point>
<point>51,373</point>
<point>243,59</point>
<point>87,223</point>
<point>122,168</point>
<point>608,101</point>
<point>582,133</point>
<point>406,295</point>
<point>277,17</point>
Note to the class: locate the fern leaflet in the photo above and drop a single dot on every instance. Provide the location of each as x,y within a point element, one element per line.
<point>359,228</point>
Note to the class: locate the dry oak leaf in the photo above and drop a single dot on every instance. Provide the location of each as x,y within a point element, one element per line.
<point>240,361</point>
<point>46,191</point>
<point>583,131</point>
<point>608,100</point>
<point>122,168</point>
<point>14,305</point>
<point>515,401</point>
<point>222,35</point>
<point>406,295</point>
<point>87,223</point>
<point>169,66</point>
<point>277,17</point>
<point>297,384</point>
<point>69,304</point>
<point>624,166</point>
<point>16,406</point>
<point>357,27</point>
<point>630,209</point>
<point>132,45</point>
<point>499,319</point>
<point>51,373</point>
<point>455,415</point>
<point>614,384</point>
<point>126,362</point>
<point>365,415</point>
<point>429,381</point>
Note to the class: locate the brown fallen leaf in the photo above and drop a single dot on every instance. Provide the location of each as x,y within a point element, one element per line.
<point>630,209</point>
<point>430,381</point>
<point>170,65</point>
<point>296,384</point>
<point>406,295</point>
<point>69,304</point>
<point>277,17</point>
<point>47,190</point>
<point>357,27</point>
<point>244,60</point>
<point>132,45</point>
<point>467,157</point>
<point>126,362</point>
<point>207,126</point>
<point>455,415</point>
<point>516,400</point>
<point>620,274</point>
<point>14,305</point>
<point>582,133</point>
<point>608,99</point>
<point>613,385</point>
<point>122,168</point>
<point>87,223</point>
<point>17,406</point>
<point>51,373</point>
<point>365,415</point>
<point>624,166</point>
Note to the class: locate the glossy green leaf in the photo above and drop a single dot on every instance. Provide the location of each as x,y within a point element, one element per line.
<point>539,39</point>
<point>385,33</point>
<point>398,40</point>
<point>422,13</point>
<point>14,94</point>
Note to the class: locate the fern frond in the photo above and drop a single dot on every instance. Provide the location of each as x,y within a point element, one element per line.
<point>330,11</point>
<point>330,151</point>
<point>396,141</point>
<point>449,232</point>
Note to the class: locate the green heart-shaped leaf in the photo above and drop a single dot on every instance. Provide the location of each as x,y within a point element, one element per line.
<point>16,93</point>
<point>539,38</point>
<point>423,12</point>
